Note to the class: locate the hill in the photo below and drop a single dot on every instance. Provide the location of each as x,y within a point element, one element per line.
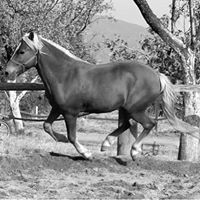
<point>109,28</point>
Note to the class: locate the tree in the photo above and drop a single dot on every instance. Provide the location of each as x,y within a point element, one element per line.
<point>187,46</point>
<point>59,20</point>
<point>120,50</point>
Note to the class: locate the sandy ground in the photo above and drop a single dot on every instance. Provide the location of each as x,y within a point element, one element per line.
<point>35,167</point>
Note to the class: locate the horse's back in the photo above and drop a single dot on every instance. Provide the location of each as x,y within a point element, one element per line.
<point>129,84</point>
<point>141,82</point>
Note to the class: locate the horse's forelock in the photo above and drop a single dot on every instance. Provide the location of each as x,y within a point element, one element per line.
<point>36,43</point>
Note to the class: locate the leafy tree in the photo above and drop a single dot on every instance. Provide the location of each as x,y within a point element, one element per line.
<point>163,58</point>
<point>120,50</point>
<point>59,20</point>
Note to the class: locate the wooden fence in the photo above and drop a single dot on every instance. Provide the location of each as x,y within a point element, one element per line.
<point>21,86</point>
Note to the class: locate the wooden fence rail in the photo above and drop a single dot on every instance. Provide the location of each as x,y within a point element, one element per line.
<point>21,86</point>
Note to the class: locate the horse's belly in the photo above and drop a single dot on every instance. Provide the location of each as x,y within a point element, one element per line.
<point>104,103</point>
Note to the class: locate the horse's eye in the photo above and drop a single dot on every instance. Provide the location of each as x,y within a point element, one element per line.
<point>21,52</point>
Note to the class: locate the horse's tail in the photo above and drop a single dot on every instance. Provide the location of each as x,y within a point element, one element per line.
<point>169,95</point>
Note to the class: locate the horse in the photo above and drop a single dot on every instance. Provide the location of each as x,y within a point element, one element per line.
<point>74,86</point>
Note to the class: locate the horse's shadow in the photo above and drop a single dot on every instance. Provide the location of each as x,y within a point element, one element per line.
<point>74,158</point>
<point>123,160</point>
<point>120,160</point>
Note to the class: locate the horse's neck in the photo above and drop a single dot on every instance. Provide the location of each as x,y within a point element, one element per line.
<point>55,70</point>
<point>52,58</point>
<point>51,69</point>
<point>54,64</point>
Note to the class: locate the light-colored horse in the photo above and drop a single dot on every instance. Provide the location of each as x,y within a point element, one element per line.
<point>75,86</point>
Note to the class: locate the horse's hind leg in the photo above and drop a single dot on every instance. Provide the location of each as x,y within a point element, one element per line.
<point>109,141</point>
<point>54,114</point>
<point>147,124</point>
<point>71,131</point>
<point>123,126</point>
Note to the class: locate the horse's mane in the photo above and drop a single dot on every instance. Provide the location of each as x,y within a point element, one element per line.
<point>38,43</point>
<point>65,51</point>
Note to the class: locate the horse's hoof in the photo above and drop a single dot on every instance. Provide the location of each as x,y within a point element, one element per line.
<point>134,157</point>
<point>134,154</point>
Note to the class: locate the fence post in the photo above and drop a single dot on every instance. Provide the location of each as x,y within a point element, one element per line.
<point>36,110</point>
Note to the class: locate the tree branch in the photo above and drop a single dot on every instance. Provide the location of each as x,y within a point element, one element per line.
<point>156,25</point>
<point>87,18</point>
<point>191,25</point>
<point>63,13</point>
<point>19,11</point>
<point>173,15</point>
<point>51,8</point>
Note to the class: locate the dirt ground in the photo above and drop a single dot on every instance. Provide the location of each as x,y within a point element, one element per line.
<point>35,167</point>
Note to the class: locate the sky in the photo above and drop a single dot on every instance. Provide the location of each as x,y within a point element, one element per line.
<point>128,11</point>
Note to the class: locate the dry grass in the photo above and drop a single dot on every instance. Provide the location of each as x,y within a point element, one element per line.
<point>90,132</point>
<point>34,166</point>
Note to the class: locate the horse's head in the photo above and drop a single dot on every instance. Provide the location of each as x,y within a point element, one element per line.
<point>24,57</point>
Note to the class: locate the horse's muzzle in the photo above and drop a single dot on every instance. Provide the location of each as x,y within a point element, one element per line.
<point>11,71</point>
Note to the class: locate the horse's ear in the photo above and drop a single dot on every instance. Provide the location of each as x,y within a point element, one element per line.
<point>31,35</point>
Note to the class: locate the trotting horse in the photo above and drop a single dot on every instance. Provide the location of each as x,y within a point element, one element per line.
<point>75,86</point>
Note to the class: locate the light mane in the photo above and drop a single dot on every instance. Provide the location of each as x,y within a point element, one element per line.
<point>15,51</point>
<point>35,44</point>
<point>38,44</point>
<point>67,52</point>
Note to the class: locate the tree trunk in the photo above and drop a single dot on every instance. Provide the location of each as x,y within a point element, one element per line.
<point>126,139</point>
<point>189,146</point>
<point>14,104</point>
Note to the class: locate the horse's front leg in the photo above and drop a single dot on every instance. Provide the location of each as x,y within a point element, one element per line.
<point>71,131</point>
<point>54,114</point>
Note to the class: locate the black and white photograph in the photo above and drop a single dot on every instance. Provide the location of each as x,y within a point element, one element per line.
<point>99,99</point>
